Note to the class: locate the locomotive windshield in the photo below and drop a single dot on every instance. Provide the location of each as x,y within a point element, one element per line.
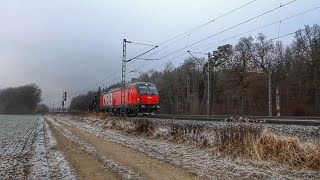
<point>147,89</point>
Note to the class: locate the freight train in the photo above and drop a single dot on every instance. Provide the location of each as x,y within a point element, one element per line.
<point>141,98</point>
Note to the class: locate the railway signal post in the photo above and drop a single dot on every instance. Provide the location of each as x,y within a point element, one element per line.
<point>64,100</point>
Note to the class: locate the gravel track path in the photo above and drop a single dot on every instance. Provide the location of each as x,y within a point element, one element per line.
<point>122,160</point>
<point>199,161</point>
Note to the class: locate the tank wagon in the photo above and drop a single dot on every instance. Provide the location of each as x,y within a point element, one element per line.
<point>141,98</point>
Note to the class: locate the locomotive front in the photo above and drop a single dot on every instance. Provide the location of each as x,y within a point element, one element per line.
<point>147,98</point>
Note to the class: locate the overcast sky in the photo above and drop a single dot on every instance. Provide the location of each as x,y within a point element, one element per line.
<point>73,44</point>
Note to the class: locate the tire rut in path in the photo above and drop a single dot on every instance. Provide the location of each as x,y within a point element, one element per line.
<point>147,167</point>
<point>85,166</point>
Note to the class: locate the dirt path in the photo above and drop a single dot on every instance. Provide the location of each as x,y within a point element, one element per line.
<point>86,167</point>
<point>149,168</point>
<point>146,167</point>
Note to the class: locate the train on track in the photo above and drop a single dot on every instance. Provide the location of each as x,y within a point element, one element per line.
<point>141,98</point>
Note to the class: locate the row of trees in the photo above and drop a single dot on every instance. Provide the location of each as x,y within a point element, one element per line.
<point>89,101</point>
<point>84,102</point>
<point>21,100</point>
<point>239,79</point>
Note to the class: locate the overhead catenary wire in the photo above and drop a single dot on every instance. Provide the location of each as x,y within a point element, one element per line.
<point>272,39</point>
<point>255,29</point>
<point>98,83</point>
<point>205,24</point>
<point>282,36</point>
<point>189,32</point>
<point>232,27</point>
<point>137,43</point>
<point>131,42</point>
<point>221,32</point>
<point>252,30</point>
<point>138,56</point>
<point>261,27</point>
<point>109,82</point>
<point>112,80</point>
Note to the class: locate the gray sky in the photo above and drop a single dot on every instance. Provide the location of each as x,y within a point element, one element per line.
<point>73,44</point>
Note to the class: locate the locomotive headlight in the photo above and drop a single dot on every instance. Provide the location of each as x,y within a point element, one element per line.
<point>138,100</point>
<point>157,101</point>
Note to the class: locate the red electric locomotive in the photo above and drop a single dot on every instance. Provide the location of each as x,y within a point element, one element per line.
<point>141,98</point>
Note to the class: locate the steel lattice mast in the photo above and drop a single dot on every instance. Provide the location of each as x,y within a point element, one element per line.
<point>124,66</point>
<point>123,76</point>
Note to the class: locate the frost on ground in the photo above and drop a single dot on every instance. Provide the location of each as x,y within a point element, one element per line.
<point>203,162</point>
<point>304,133</point>
<point>59,167</point>
<point>40,166</point>
<point>25,151</point>
<point>16,145</point>
<point>110,164</point>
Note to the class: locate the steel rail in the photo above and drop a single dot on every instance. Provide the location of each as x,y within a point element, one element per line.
<point>286,120</point>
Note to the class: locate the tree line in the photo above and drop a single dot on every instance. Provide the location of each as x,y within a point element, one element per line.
<point>239,79</point>
<point>21,100</point>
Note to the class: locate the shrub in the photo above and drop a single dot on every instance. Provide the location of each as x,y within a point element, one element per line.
<point>144,126</point>
<point>235,139</point>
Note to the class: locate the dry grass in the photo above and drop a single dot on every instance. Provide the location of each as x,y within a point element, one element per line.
<point>136,126</point>
<point>234,140</point>
<point>247,140</point>
<point>252,141</point>
<point>194,134</point>
<point>285,150</point>
<point>145,126</point>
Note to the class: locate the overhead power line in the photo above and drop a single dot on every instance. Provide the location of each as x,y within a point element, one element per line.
<point>184,53</point>
<point>255,29</point>
<point>112,80</point>
<point>261,27</point>
<point>98,83</point>
<point>189,32</point>
<point>142,44</point>
<point>205,24</point>
<point>142,54</point>
<point>232,27</point>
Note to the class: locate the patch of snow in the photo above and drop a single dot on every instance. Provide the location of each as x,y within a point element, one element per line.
<point>16,138</point>
<point>40,167</point>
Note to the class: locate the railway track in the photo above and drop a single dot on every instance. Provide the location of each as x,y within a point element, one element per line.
<point>287,120</point>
